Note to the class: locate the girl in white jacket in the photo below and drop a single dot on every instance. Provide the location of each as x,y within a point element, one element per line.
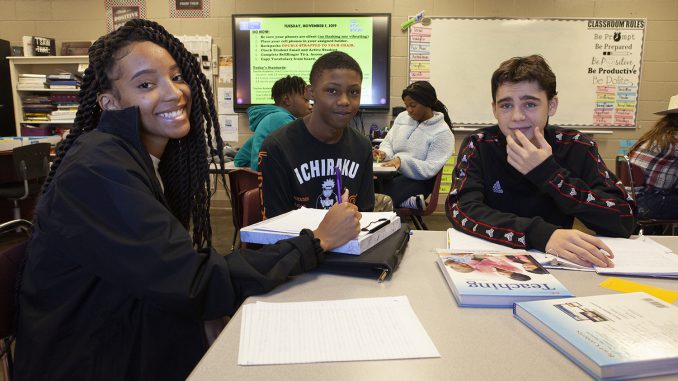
<point>418,145</point>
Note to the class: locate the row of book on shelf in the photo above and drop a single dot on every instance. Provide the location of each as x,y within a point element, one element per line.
<point>618,336</point>
<point>61,81</point>
<point>49,107</point>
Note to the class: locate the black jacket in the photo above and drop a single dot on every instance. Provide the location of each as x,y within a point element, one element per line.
<point>492,200</point>
<point>112,288</point>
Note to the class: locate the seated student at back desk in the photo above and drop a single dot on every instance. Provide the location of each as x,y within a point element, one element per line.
<point>656,152</point>
<point>298,161</point>
<point>290,103</point>
<point>522,182</point>
<point>418,145</point>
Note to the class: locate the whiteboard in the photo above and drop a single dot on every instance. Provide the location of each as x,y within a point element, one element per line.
<point>596,61</point>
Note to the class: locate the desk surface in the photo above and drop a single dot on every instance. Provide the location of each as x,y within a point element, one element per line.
<point>474,343</point>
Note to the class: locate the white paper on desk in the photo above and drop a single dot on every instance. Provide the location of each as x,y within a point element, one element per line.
<point>643,257</point>
<point>309,218</point>
<point>338,330</point>
<point>459,241</point>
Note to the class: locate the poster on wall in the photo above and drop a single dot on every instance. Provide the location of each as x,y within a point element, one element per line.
<point>118,12</point>
<point>189,8</point>
<point>229,127</point>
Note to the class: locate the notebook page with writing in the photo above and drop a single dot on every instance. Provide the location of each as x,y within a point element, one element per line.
<point>338,330</point>
<point>640,257</point>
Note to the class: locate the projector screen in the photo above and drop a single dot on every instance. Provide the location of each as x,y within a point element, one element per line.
<point>269,47</point>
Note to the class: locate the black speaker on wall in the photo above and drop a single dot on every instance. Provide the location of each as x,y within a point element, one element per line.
<point>7,127</point>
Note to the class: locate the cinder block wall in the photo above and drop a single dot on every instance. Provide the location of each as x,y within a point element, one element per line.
<point>85,20</point>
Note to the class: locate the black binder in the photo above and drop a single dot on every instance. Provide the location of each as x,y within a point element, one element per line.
<point>380,261</point>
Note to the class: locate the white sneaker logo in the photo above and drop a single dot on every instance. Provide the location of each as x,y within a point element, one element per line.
<point>573,192</point>
<point>509,236</point>
<point>496,188</point>
<point>590,198</point>
<point>522,240</point>
<point>490,232</point>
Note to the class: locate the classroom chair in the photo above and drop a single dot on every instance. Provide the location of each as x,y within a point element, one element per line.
<point>632,176</point>
<point>251,205</point>
<point>11,261</point>
<point>251,213</point>
<point>240,181</point>
<point>31,165</point>
<point>416,215</point>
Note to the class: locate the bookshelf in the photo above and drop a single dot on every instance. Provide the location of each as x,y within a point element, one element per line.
<point>40,65</point>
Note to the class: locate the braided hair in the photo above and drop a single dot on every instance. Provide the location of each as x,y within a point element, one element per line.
<point>289,85</point>
<point>424,93</point>
<point>184,164</point>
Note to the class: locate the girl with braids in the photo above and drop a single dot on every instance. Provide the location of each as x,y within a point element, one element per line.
<point>418,146</point>
<point>114,287</point>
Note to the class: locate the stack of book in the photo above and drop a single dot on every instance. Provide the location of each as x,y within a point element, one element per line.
<point>37,108</point>
<point>376,226</point>
<point>31,82</point>
<point>66,107</point>
<point>63,81</point>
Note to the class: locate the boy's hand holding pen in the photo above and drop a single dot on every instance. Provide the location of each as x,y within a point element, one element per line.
<point>580,248</point>
<point>340,225</point>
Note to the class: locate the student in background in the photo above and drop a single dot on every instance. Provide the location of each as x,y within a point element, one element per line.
<point>114,286</point>
<point>298,161</point>
<point>290,103</point>
<point>418,146</point>
<point>522,182</point>
<point>656,152</point>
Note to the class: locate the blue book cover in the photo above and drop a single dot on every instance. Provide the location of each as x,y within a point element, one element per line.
<point>497,279</point>
<point>611,337</point>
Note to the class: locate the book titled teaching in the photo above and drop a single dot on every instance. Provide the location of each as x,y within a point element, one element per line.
<point>488,279</point>
<point>611,337</point>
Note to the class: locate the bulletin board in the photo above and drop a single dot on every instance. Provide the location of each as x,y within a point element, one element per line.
<point>596,61</point>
